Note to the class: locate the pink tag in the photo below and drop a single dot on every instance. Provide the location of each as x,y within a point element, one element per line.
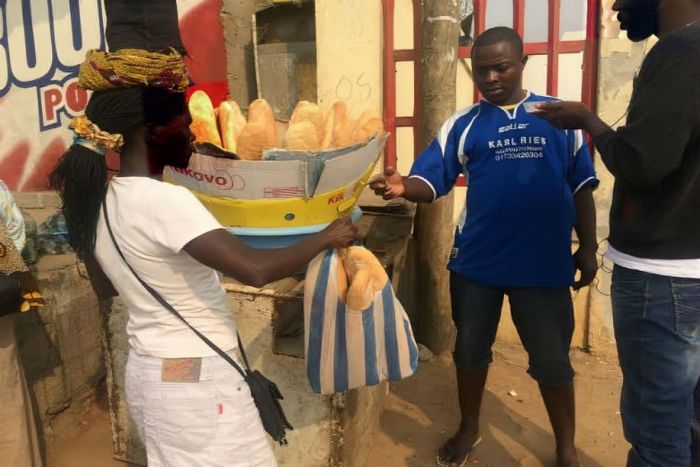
<point>221,408</point>
<point>181,370</point>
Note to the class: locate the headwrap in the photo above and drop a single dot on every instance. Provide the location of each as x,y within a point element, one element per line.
<point>89,135</point>
<point>133,68</point>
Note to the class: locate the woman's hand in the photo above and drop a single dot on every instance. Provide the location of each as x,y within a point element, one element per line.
<point>340,233</point>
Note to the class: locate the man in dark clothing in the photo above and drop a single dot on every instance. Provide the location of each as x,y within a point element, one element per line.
<point>695,432</point>
<point>655,228</point>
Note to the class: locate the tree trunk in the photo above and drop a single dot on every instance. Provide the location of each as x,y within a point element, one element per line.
<point>434,231</point>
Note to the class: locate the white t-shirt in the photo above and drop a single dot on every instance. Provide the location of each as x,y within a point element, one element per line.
<point>152,221</point>
<point>687,268</point>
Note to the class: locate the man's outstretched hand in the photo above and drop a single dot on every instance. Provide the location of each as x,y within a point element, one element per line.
<point>390,185</point>
<point>564,114</point>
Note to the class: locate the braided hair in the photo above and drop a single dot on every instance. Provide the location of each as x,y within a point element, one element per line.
<point>81,175</point>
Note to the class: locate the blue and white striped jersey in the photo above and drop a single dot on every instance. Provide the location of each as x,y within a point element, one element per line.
<point>522,174</point>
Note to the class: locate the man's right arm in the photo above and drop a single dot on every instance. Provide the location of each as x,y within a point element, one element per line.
<point>417,190</point>
<point>433,174</point>
<point>393,185</point>
<point>662,119</point>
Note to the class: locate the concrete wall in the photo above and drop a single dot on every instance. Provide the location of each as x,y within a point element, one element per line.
<point>236,17</point>
<point>60,346</point>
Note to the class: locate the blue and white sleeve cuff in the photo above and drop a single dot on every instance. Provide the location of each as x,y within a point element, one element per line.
<point>590,181</point>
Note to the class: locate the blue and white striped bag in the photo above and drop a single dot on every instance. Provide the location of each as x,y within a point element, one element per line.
<point>347,349</point>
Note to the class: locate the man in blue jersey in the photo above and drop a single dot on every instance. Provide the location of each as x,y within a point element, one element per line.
<point>529,184</point>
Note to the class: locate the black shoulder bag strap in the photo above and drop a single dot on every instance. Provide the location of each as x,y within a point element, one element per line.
<point>265,393</point>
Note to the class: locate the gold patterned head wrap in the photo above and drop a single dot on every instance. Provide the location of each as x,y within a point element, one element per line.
<point>133,68</point>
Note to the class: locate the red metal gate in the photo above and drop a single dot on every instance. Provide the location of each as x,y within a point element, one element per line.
<point>552,49</point>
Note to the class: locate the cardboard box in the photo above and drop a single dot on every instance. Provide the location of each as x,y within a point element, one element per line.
<point>284,174</point>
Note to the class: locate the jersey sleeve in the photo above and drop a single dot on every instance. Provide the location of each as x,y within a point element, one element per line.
<point>439,164</point>
<point>178,217</point>
<point>581,172</point>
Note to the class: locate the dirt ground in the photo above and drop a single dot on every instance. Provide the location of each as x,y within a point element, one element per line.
<point>422,412</point>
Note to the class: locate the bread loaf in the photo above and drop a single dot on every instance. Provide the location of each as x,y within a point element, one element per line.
<point>340,128</point>
<point>203,119</point>
<point>302,136</point>
<point>366,116</point>
<point>261,112</point>
<point>337,118</point>
<point>366,276</point>
<point>372,123</point>
<point>375,127</point>
<point>231,122</point>
<point>360,135</point>
<point>252,141</point>
<point>308,111</point>
<point>342,134</point>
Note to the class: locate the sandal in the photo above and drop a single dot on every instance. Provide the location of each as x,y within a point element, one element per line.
<point>453,456</point>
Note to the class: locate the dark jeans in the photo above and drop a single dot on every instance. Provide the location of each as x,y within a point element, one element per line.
<point>695,434</point>
<point>543,316</point>
<point>657,328</point>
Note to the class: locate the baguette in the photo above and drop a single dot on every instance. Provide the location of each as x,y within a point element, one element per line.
<point>337,118</point>
<point>252,142</point>
<point>203,119</point>
<point>365,276</point>
<point>308,111</point>
<point>261,112</point>
<point>231,122</point>
<point>302,136</point>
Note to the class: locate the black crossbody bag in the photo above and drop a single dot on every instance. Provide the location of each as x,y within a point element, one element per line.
<point>265,392</point>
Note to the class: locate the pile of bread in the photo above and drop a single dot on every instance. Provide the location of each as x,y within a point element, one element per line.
<point>309,129</point>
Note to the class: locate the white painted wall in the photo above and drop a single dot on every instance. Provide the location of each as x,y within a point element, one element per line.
<point>349,53</point>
